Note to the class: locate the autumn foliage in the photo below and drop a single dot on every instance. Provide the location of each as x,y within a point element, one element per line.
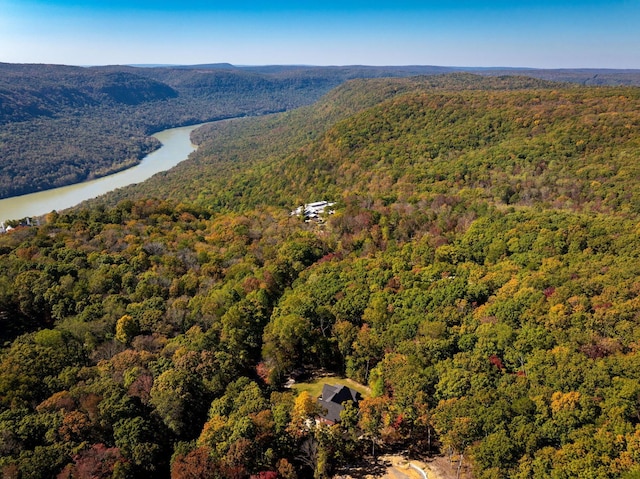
<point>479,275</point>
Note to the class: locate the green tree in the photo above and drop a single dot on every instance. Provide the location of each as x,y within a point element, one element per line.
<point>177,398</point>
<point>126,329</point>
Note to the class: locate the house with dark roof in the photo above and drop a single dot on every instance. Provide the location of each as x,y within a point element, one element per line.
<point>332,401</point>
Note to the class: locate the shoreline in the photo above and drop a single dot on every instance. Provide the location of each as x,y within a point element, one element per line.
<point>175,147</point>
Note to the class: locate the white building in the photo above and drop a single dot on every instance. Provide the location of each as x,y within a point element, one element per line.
<point>313,211</point>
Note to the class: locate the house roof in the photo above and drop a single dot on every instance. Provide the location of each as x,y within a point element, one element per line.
<point>332,399</point>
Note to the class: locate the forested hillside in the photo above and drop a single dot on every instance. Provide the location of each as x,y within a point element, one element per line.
<point>62,125</point>
<point>264,143</point>
<point>480,274</point>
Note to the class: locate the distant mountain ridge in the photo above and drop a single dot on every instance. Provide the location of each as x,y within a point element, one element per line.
<point>29,91</point>
<point>585,76</point>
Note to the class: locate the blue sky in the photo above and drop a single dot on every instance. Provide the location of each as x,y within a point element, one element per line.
<point>516,33</point>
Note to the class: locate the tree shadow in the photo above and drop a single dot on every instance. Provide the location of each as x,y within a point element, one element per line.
<point>365,467</point>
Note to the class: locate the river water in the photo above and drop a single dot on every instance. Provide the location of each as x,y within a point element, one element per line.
<point>176,146</point>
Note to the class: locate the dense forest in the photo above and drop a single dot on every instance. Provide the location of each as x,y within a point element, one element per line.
<point>479,274</point>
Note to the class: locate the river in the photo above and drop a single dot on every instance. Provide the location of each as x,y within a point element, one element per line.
<point>176,146</point>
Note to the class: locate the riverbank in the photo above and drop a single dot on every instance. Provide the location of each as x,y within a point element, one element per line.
<point>175,147</point>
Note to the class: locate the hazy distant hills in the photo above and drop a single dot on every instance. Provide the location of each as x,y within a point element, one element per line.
<point>65,124</point>
<point>30,91</point>
<point>585,76</point>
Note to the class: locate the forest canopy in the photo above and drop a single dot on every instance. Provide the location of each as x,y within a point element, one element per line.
<point>479,273</point>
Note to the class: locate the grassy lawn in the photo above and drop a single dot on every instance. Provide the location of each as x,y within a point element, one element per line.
<point>314,387</point>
